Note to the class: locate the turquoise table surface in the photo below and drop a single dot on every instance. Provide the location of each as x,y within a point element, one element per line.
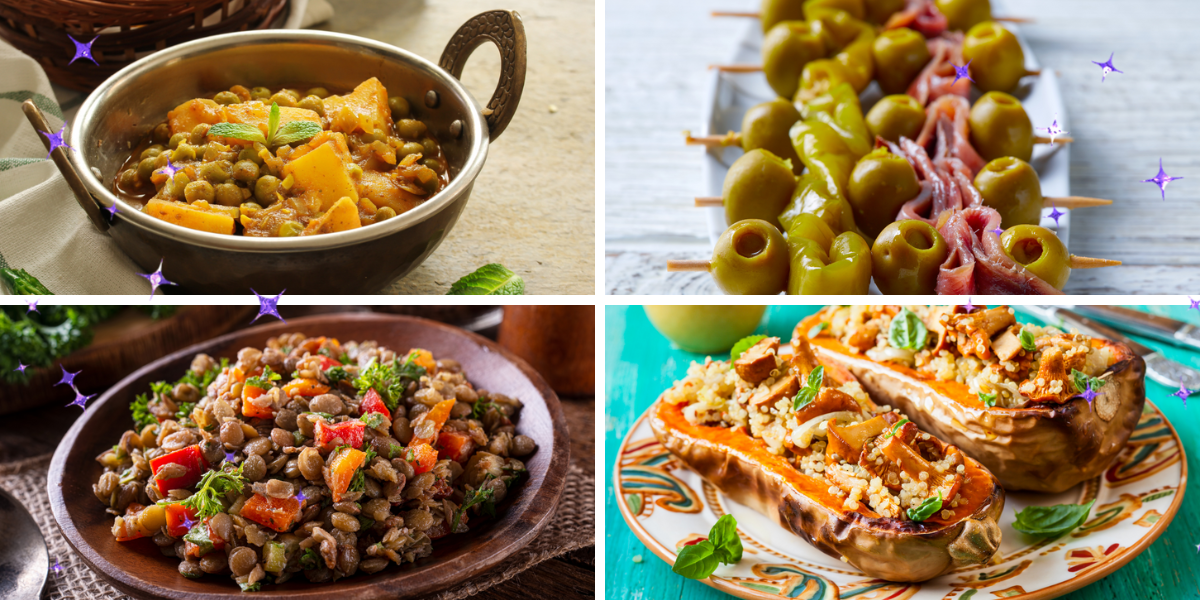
<point>639,364</point>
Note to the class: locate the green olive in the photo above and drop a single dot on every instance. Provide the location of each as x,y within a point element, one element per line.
<point>907,257</point>
<point>265,189</point>
<point>183,152</point>
<point>245,171</point>
<point>751,257</point>
<point>162,133</point>
<point>410,129</point>
<point>199,190</point>
<point>384,214</point>
<point>900,54</point>
<point>1000,127</point>
<point>199,133</point>
<point>283,99</point>
<point>962,15</point>
<point>259,93</point>
<point>896,116</point>
<point>176,140</point>
<point>787,48</point>
<point>777,11</point>
<point>878,11</point>
<point>766,126</point>
<point>228,194</point>
<point>251,155</point>
<point>128,179</point>
<point>399,106</point>
<point>818,77</point>
<point>853,8</point>
<point>1040,251</point>
<point>1011,186</point>
<point>319,92</point>
<point>215,172</point>
<point>410,148</point>
<point>290,229</point>
<point>879,186</point>
<point>227,98</point>
<point>314,104</point>
<point>997,60</point>
<point>758,186</point>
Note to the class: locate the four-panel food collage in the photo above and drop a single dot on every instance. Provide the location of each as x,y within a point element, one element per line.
<point>212,387</point>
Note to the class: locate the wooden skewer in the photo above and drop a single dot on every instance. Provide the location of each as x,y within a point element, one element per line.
<point>1062,139</point>
<point>688,265</point>
<point>755,15</point>
<point>737,68</point>
<point>1083,262</point>
<point>713,141</point>
<point>1060,202</point>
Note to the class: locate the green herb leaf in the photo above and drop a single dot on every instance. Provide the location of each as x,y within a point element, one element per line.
<point>697,561</point>
<point>482,498</point>
<point>184,414</point>
<point>988,399</point>
<point>372,419</point>
<point>210,492</point>
<point>907,331</point>
<point>1080,380</point>
<point>263,382</point>
<point>237,131</point>
<point>389,381</point>
<point>251,587</point>
<point>140,407</point>
<point>817,329</point>
<point>725,540</point>
<point>394,450</point>
<point>198,535</point>
<point>896,428</point>
<point>481,407</point>
<point>743,345</point>
<point>336,374</point>
<point>20,282</point>
<point>295,131</point>
<point>812,386</point>
<point>365,523</point>
<point>273,121</point>
<point>1027,340</point>
<point>310,559</point>
<point>489,280</point>
<point>1052,521</point>
<point>926,509</point>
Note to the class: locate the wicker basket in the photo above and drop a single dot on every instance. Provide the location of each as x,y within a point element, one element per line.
<point>126,30</point>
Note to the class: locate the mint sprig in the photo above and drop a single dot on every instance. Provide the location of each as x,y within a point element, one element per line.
<point>290,133</point>
<point>489,280</point>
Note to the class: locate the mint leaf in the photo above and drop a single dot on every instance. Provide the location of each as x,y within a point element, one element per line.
<point>726,541</point>
<point>1052,521</point>
<point>1080,380</point>
<point>1026,339</point>
<point>808,393</point>
<point>239,131</point>
<point>273,121</point>
<point>987,399</point>
<point>295,131</point>
<point>697,561</point>
<point>817,329</point>
<point>926,509</point>
<point>489,280</point>
<point>743,345</point>
<point>907,331</point>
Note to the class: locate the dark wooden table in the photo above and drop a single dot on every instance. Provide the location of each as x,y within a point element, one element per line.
<point>37,431</point>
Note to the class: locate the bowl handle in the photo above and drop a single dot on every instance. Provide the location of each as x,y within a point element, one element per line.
<point>82,196</point>
<point>504,29</point>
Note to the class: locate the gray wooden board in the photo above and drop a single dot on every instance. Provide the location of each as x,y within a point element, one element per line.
<point>655,64</point>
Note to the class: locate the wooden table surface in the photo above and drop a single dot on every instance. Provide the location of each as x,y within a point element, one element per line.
<point>655,63</point>
<point>639,364</point>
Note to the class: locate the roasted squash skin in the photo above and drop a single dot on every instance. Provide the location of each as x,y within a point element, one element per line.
<point>893,549</point>
<point>1044,447</point>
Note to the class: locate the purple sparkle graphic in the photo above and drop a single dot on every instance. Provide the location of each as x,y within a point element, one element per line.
<point>188,521</point>
<point>57,568</point>
<point>156,279</point>
<point>56,139</point>
<point>962,72</point>
<point>1182,393</point>
<point>83,50</point>
<point>301,497</point>
<point>970,307</point>
<point>1056,214</point>
<point>80,400</point>
<point>231,457</point>
<point>999,232</point>
<point>1089,394</point>
<point>268,305</point>
<point>68,377</point>
<point>1107,67</point>
<point>32,306</point>
<point>112,211</point>
<point>1053,130</point>
<point>1161,180</point>
<point>21,367</point>
<point>1195,303</point>
<point>170,170</point>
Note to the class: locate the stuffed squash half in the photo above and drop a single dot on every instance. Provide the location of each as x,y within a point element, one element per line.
<point>1041,408</point>
<point>803,444</point>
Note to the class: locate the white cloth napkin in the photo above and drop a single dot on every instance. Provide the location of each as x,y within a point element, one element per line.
<point>42,228</point>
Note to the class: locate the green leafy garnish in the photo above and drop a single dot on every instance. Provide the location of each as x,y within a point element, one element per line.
<point>700,560</point>
<point>336,374</point>
<point>309,559</point>
<point>1052,521</point>
<point>210,493</point>
<point>1027,340</point>
<point>812,385</point>
<point>988,399</point>
<point>907,331</point>
<point>926,509</point>
<point>372,419</point>
<point>489,280</point>
<point>198,535</point>
<point>817,329</point>
<point>481,407</point>
<point>251,587</point>
<point>20,282</point>
<point>290,133</point>
<point>743,345</point>
<point>482,498</point>
<point>37,339</point>
<point>140,407</point>
<point>263,382</point>
<point>394,450</point>
<point>896,428</point>
<point>184,414</point>
<point>365,523</point>
<point>389,381</point>
<point>1080,380</point>
<point>359,482</point>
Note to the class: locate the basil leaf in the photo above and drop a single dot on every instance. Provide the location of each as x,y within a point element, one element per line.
<point>817,329</point>
<point>926,509</point>
<point>987,399</point>
<point>725,539</point>
<point>1026,339</point>
<point>239,131</point>
<point>489,280</point>
<point>1052,521</point>
<point>808,393</point>
<point>907,331</point>
<point>295,131</point>
<point>697,561</point>
<point>1080,380</point>
<point>273,121</point>
<point>743,345</point>
<point>896,428</point>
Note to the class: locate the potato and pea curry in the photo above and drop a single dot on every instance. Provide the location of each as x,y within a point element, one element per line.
<point>283,163</point>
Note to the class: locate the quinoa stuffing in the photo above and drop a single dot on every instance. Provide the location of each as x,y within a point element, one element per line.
<point>310,457</point>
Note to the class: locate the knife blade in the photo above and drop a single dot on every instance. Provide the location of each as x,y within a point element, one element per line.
<point>1177,333</point>
<point>1160,368</point>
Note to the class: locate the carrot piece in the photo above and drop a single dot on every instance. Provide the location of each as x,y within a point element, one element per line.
<point>424,358</point>
<point>455,445</point>
<point>340,471</point>
<point>277,513</point>
<point>123,527</point>
<point>249,409</point>
<point>438,415</point>
<point>305,387</point>
<point>422,458</point>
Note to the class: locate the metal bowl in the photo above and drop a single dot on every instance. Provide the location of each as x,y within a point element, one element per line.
<point>122,111</point>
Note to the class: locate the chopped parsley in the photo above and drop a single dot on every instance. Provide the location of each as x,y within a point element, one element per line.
<point>210,492</point>
<point>988,399</point>
<point>372,419</point>
<point>310,559</point>
<point>263,382</point>
<point>482,498</point>
<point>140,407</point>
<point>481,407</point>
<point>359,482</point>
<point>389,381</point>
<point>336,374</point>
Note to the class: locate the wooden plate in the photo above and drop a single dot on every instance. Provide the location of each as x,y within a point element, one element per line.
<point>138,569</point>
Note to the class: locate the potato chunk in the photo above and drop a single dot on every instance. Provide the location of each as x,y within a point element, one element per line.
<point>322,175</point>
<point>342,216</point>
<point>188,115</point>
<point>190,217</point>
<point>364,109</point>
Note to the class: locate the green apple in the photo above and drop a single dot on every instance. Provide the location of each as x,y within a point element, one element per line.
<point>705,329</point>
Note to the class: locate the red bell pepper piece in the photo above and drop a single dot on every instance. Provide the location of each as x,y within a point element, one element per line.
<point>190,458</point>
<point>350,432</point>
<point>422,458</point>
<point>176,514</point>
<point>373,403</point>
<point>217,541</point>
<point>455,445</point>
<point>123,528</point>
<point>328,363</point>
<point>277,513</point>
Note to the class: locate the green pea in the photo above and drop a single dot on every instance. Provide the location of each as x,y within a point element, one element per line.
<point>162,133</point>
<point>431,146</point>
<point>399,106</point>
<point>216,172</point>
<point>184,152</point>
<point>152,151</point>
<point>227,98</point>
<point>199,132</point>
<point>146,168</point>
<point>411,148</point>
<point>177,139</point>
<point>384,214</point>
<point>410,129</point>
<point>283,99</point>
<point>199,190</point>
<point>290,229</point>
<point>228,194</point>
<point>433,163</point>
<point>319,92</point>
<point>249,208</point>
<point>260,93</point>
<point>129,178</point>
<point>314,104</point>
<point>245,171</point>
<point>265,188</point>
<point>251,155</point>
<point>179,185</point>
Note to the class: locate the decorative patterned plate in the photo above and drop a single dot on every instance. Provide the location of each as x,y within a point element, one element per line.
<point>667,505</point>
